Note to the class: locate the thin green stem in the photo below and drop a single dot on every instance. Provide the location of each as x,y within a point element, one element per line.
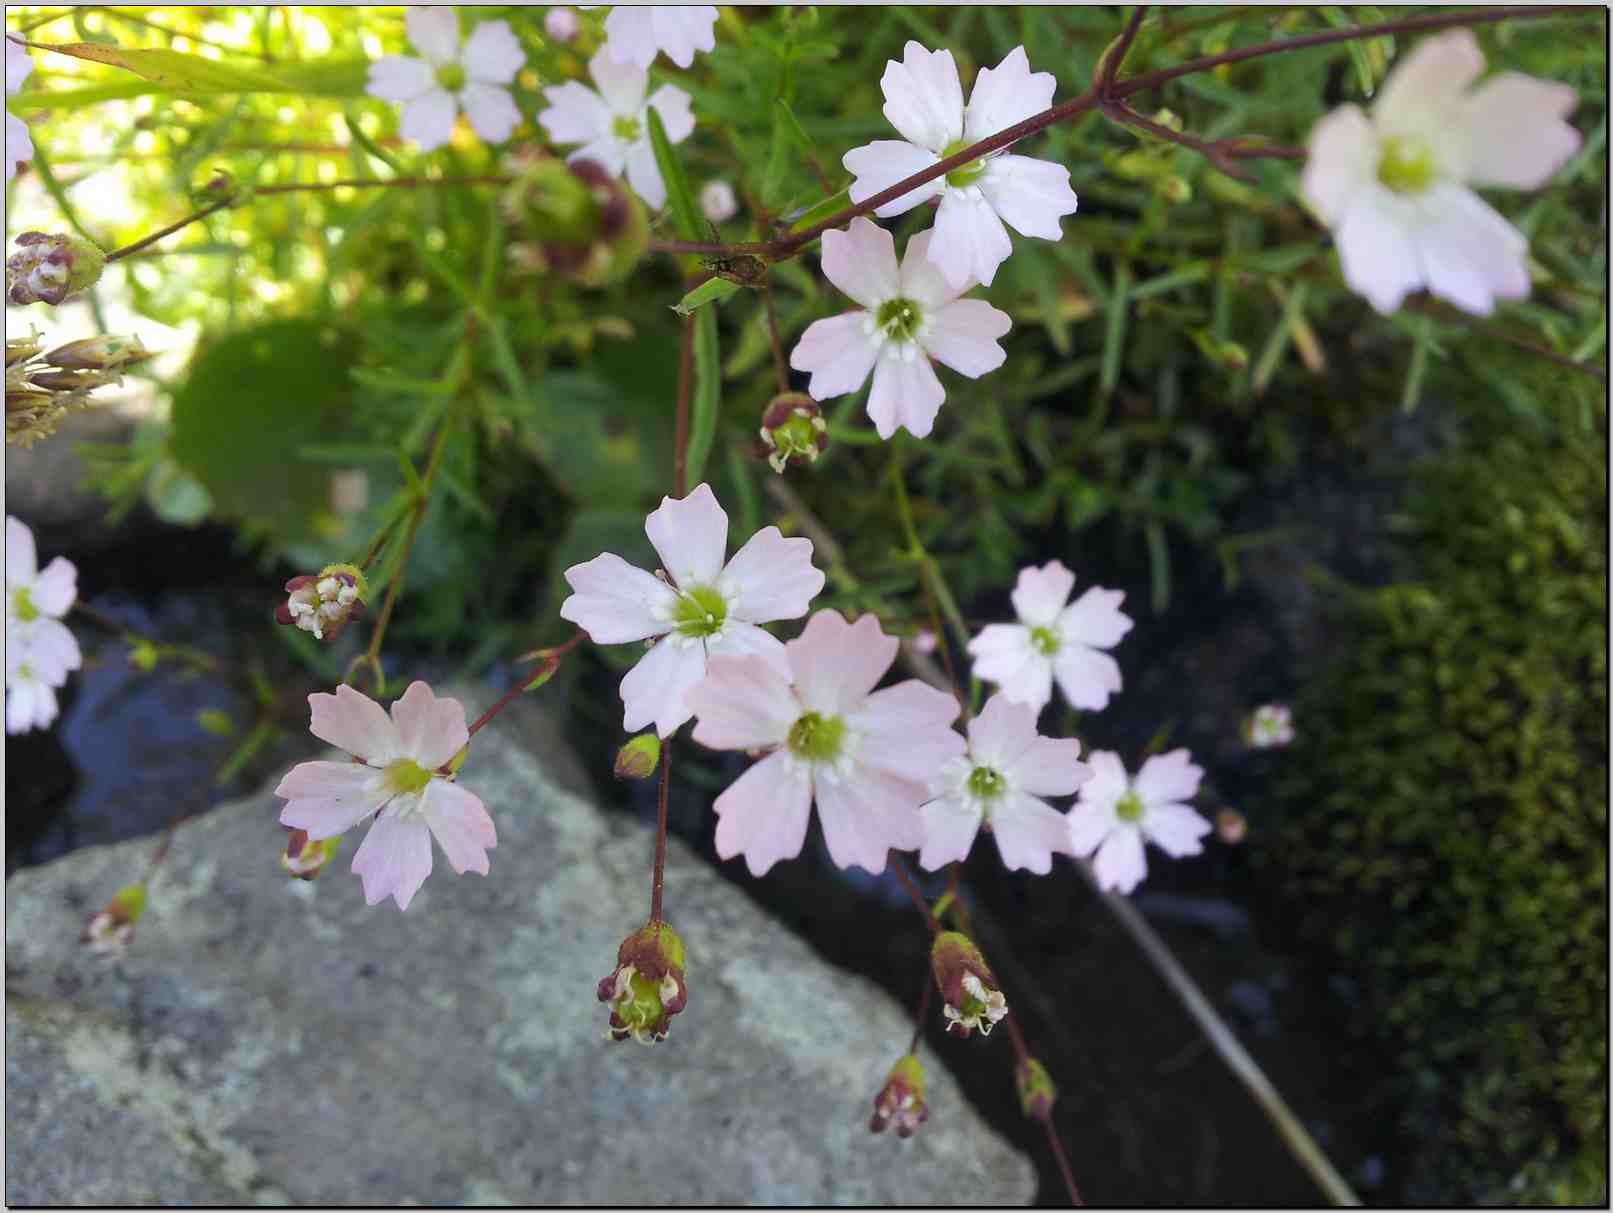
<point>372,655</point>
<point>146,241</point>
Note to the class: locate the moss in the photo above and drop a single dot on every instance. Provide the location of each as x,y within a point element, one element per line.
<point>1445,815</point>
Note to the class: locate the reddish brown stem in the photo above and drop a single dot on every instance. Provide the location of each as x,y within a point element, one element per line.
<point>912,888</point>
<point>1221,153</point>
<point>658,877</point>
<point>918,1016</point>
<point>1064,1164</point>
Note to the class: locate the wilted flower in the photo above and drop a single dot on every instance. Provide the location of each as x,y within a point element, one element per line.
<point>19,144</point>
<point>305,858</point>
<point>971,998</point>
<point>862,754</point>
<point>474,78</point>
<point>325,603</point>
<point>699,607</point>
<point>109,932</point>
<point>717,201</point>
<point>51,269</point>
<point>574,219</point>
<point>793,428</point>
<point>1394,186</point>
<point>561,23</point>
<point>1268,727</point>
<point>924,102</point>
<point>1113,814</point>
<point>998,785</point>
<point>42,388</point>
<point>647,988</point>
<point>911,314</point>
<point>900,1102</point>
<point>398,779</point>
<point>1054,641</point>
<point>636,33</point>
<point>40,650</point>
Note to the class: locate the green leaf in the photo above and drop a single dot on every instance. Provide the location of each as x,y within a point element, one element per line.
<point>712,290</point>
<point>177,72</point>
<point>1114,335</point>
<point>685,216</point>
<point>707,392</point>
<point>822,210</point>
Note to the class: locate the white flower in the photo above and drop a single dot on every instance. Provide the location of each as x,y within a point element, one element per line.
<point>700,607</point>
<point>924,102</point>
<point>40,651</point>
<point>1270,726</point>
<point>999,784</point>
<point>1394,187</point>
<point>19,144</point>
<point>911,315</point>
<point>717,201</point>
<point>1114,814</point>
<point>560,23</point>
<point>611,125</point>
<point>474,78</point>
<point>1052,640</point>
<point>636,33</point>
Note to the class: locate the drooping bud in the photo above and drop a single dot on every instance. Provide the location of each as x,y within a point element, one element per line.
<point>561,23</point>
<point>646,989</point>
<point>793,428</point>
<point>900,1102</point>
<point>326,603</point>
<point>639,757</point>
<point>1036,1089</point>
<point>305,858</point>
<point>1231,826</point>
<point>109,932</point>
<point>969,992</point>
<point>104,353</point>
<point>575,219</point>
<point>51,269</point>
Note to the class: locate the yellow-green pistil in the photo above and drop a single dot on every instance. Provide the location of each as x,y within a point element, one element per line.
<point>405,775</point>
<point>969,173</point>
<point>23,609</point>
<point>817,738</point>
<point>1045,641</point>
<point>700,612</point>
<point>451,76</point>
<point>1129,807</point>
<point>899,319</point>
<point>640,1005</point>
<point>626,128</point>
<point>986,784</point>
<point>1406,164</point>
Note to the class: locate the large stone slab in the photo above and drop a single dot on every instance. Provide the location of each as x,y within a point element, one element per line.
<point>268,1041</point>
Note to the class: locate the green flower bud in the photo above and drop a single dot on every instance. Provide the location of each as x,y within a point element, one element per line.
<point>900,1102</point>
<point>51,269</point>
<point>577,220</point>
<point>1036,1089</point>
<point>793,428</point>
<point>639,757</point>
<point>109,932</point>
<point>646,989</point>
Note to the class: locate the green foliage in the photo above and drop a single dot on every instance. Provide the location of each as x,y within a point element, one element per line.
<point>1447,812</point>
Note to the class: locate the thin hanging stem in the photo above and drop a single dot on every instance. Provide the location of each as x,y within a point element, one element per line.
<point>658,874</point>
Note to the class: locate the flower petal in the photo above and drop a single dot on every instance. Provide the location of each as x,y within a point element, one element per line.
<point>964,334</point>
<point>771,577</point>
<point>55,589</point>
<point>29,705</point>
<point>614,602</point>
<point>1029,832</point>
<point>763,814</point>
<point>838,353</point>
<point>1052,766</point>
<point>950,825</point>
<point>866,814</point>
<point>18,65</point>
<point>492,54</point>
<point>621,83</point>
<point>576,114</point>
<point>741,639</point>
<point>861,262</point>
<point>434,32</point>
<point>682,29</point>
<point>19,150</point>
<point>428,120</point>
<point>1109,780</point>
<point>1175,829</point>
<point>836,664</point>
<point>21,563</point>
<point>394,860</point>
<point>459,822</point>
<point>1003,655</point>
<point>1514,129</point>
<point>399,78</point>
<point>1086,676</point>
<point>1168,777</point>
<point>430,730</point>
<point>906,392</point>
<point>1030,195</point>
<point>906,730</point>
<point>1470,255</point>
<point>1376,250</point>
<point>1040,593</point>
<point>1421,95</point>
<point>492,111</point>
<point>690,535</point>
<point>881,164</point>
<point>672,103</point>
<point>1006,94</point>
<point>1087,826</point>
<point>330,798</point>
<point>923,98</point>
<point>1119,863</point>
<point>1002,732</point>
<point>1343,157</point>
<point>744,703</point>
<point>653,691</point>
<point>48,646</point>
<point>971,241</point>
<point>354,722</point>
<point>644,174</point>
<point>921,280</point>
<point>1095,618</point>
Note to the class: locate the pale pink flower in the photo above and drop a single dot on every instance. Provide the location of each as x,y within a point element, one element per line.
<point>611,124</point>
<point>19,144</point>
<point>1054,641</point>
<point>561,23</point>
<point>999,785</point>
<point>698,606</point>
<point>40,650</point>
<point>1394,186</point>
<point>1114,814</point>
<point>1270,726</point>
<point>636,33</point>
<point>397,779</point>
<point>924,102</point>
<point>474,78</point>
<point>910,316</point>
<point>863,755</point>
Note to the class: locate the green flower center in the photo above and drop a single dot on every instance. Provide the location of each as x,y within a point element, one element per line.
<point>817,738</point>
<point>986,784</point>
<point>899,319</point>
<point>797,436</point>
<point>1045,641</point>
<point>451,76</point>
<point>700,612</point>
<point>1129,807</point>
<point>1406,165</point>
<point>626,128</point>
<point>406,775</point>
<point>969,173</point>
<point>22,605</point>
<point>640,1004</point>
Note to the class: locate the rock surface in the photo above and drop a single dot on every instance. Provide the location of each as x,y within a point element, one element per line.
<point>268,1041</point>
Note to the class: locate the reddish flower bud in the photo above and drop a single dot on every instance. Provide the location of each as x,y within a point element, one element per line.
<point>969,992</point>
<point>109,932</point>
<point>646,989</point>
<point>639,757</point>
<point>1231,826</point>
<point>793,428</point>
<point>51,269</point>
<point>900,1102</point>
<point>305,858</point>
<point>324,604</point>
<point>1036,1089</point>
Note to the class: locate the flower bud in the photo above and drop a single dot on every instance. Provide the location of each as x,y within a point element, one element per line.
<point>969,992</point>
<point>51,269</point>
<point>717,201</point>
<point>639,757</point>
<point>793,428</point>
<point>580,221</point>
<point>104,353</point>
<point>326,603</point>
<point>646,989</point>
<point>900,1102</point>
<point>1036,1089</point>
<point>561,23</point>
<point>1173,189</point>
<point>109,932</point>
<point>306,859</point>
<point>1231,826</point>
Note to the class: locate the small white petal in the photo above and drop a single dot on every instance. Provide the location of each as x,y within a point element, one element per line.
<point>1514,129</point>
<point>1119,863</point>
<point>1470,255</point>
<point>1168,777</point>
<point>1006,94</point>
<point>1175,829</point>
<point>394,860</point>
<point>1030,195</point>
<point>905,393</point>
<point>1095,619</point>
<point>881,164</point>
<point>22,562</point>
<point>1029,833</point>
<point>1421,94</point>
<point>434,32</point>
<point>907,730</point>
<point>682,29</point>
<point>1109,780</point>
<point>18,65</point>
<point>836,664</point>
<point>867,814</point>
<point>690,535</point>
<point>837,353</point>
<point>653,691</point>
<point>399,78</point>
<point>770,578</point>
<point>950,826</point>
<point>428,120</point>
<point>614,602</point>
<point>430,730</point>
<point>673,105</point>
<point>492,111</point>
<point>1376,251</point>
<point>964,336</point>
<point>1342,158</point>
<point>1086,677</point>
<point>352,721</point>
<point>1087,826</point>
<point>621,84</point>
<point>923,98</point>
<point>1040,593</point>
<point>744,703</point>
<point>861,262</point>
<point>576,114</point>
<point>460,823</point>
<point>644,174</point>
<point>970,240</point>
<point>493,54</point>
<point>1003,655</point>
<point>763,814</point>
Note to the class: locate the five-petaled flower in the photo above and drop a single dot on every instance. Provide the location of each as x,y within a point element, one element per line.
<point>611,124</point>
<point>924,102</point>
<point>396,777</point>
<point>636,33</point>
<point>19,144</point>
<point>40,650</point>
<point>1270,726</point>
<point>910,315</point>
<point>1054,641</point>
<point>699,606</point>
<point>474,78</point>
<point>1114,814</point>
<point>999,785</point>
<point>862,754</point>
<point>1394,186</point>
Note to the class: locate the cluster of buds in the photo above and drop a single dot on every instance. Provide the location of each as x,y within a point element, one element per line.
<point>900,1102</point>
<point>639,757</point>
<point>1154,165</point>
<point>109,932</point>
<point>305,858</point>
<point>51,269</point>
<point>1036,1089</point>
<point>793,428</point>
<point>42,388</point>
<point>573,219</point>
<point>325,603</point>
<point>646,989</point>
<point>970,996</point>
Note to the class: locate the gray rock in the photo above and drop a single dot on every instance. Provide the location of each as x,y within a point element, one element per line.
<point>269,1041</point>
<point>42,481</point>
